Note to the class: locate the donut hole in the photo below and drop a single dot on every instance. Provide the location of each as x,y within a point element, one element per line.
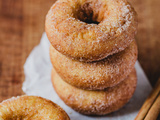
<point>86,13</point>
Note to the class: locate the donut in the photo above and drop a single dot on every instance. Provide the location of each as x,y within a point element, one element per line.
<point>31,108</point>
<point>95,102</point>
<point>95,75</point>
<point>90,30</point>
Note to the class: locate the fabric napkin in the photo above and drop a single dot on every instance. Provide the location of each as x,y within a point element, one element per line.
<point>37,82</point>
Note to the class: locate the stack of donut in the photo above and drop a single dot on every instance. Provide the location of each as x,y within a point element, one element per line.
<point>93,53</point>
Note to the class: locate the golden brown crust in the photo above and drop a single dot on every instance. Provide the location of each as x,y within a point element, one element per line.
<point>96,75</point>
<point>31,107</point>
<point>95,102</point>
<point>90,42</point>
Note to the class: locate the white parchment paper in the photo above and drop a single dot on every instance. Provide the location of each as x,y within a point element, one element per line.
<point>37,82</point>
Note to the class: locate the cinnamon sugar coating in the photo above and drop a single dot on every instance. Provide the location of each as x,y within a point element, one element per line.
<point>90,30</point>
<point>95,75</point>
<point>31,108</point>
<point>95,102</point>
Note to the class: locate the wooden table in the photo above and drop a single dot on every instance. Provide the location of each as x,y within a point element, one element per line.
<point>22,24</point>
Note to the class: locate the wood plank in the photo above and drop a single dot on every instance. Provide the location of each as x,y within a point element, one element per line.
<point>10,48</point>
<point>33,23</point>
<point>148,37</point>
<point>22,24</point>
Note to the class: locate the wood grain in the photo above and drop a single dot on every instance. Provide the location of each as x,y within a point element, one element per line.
<point>148,37</point>
<point>21,27</point>
<point>11,70</point>
<point>22,24</point>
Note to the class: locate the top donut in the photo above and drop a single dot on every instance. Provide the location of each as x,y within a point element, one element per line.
<point>90,30</point>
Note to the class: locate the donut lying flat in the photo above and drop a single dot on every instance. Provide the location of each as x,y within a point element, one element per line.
<point>95,102</point>
<point>95,75</point>
<point>31,108</point>
<point>90,30</point>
